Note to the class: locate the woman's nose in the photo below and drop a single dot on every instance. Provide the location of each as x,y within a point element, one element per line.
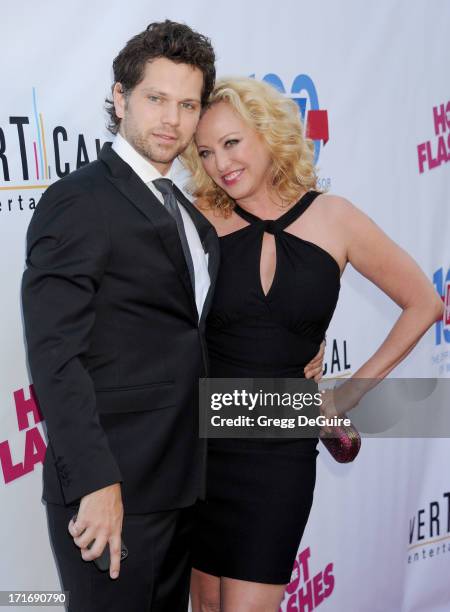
<point>222,161</point>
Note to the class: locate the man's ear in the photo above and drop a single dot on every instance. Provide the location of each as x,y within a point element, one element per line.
<point>119,100</point>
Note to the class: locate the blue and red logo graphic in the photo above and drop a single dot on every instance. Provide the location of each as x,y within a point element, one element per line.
<point>303,92</point>
<point>442,327</point>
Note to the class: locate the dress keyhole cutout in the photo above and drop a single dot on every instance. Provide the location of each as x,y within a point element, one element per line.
<point>267,262</point>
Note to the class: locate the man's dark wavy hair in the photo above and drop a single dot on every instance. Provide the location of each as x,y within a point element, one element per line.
<point>174,41</point>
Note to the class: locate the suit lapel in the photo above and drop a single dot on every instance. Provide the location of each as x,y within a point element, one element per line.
<point>131,186</point>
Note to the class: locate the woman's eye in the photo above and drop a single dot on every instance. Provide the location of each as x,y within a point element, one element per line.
<point>231,143</point>
<point>203,154</point>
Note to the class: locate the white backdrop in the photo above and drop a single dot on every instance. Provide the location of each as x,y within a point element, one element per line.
<point>380,71</point>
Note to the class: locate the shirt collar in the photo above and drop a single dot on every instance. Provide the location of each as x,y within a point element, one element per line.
<point>143,168</point>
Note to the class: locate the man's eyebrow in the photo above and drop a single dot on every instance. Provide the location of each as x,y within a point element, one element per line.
<point>155,91</point>
<point>164,94</point>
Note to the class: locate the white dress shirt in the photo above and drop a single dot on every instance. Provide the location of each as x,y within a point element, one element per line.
<point>148,173</point>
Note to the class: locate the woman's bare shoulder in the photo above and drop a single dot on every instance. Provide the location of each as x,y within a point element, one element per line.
<point>335,204</point>
<point>339,211</point>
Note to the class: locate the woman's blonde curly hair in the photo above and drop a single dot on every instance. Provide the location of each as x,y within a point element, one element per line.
<point>276,118</point>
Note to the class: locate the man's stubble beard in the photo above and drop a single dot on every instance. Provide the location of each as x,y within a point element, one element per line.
<point>154,153</point>
<point>151,153</point>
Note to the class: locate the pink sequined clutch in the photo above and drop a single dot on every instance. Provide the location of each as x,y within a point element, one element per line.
<point>343,443</point>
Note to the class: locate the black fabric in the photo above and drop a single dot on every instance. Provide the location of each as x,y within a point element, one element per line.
<point>259,492</point>
<point>114,342</point>
<point>154,577</point>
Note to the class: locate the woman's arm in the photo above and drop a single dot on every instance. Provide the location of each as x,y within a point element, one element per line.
<point>389,267</point>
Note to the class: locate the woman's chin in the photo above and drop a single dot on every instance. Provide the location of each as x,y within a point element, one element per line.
<point>235,192</point>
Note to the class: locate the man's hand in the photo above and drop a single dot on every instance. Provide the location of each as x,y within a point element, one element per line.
<point>99,518</point>
<point>314,369</point>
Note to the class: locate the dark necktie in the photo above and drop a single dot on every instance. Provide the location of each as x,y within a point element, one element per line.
<point>165,186</point>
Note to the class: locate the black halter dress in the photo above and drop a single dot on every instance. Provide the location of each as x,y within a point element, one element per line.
<point>259,492</point>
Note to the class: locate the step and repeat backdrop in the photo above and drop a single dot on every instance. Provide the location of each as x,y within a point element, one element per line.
<point>371,82</point>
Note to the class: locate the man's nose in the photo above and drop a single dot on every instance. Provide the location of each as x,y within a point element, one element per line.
<point>171,114</point>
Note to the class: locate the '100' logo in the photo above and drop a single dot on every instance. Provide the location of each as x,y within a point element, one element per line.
<point>443,288</point>
<point>316,119</point>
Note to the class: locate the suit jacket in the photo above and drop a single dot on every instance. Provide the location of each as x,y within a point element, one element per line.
<point>114,343</point>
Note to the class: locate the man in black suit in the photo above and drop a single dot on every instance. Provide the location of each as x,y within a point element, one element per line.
<point>121,269</point>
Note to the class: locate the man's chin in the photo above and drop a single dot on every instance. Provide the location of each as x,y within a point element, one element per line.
<point>165,159</point>
<point>158,159</point>
<point>161,156</point>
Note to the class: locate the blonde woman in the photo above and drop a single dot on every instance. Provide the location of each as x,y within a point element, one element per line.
<point>284,248</point>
